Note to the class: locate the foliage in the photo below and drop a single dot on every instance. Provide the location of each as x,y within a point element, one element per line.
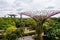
<point>11,36</point>
<point>12,33</point>
<point>22,24</point>
<point>19,32</point>
<point>30,22</point>
<point>6,22</point>
<point>14,26</point>
<point>11,29</point>
<point>52,28</point>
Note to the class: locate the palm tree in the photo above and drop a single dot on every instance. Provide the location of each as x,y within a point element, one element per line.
<point>40,17</point>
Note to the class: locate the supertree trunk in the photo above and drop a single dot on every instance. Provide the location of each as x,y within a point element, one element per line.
<point>39,29</point>
<point>39,32</point>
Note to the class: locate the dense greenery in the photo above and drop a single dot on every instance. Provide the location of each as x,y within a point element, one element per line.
<point>14,27</point>
<point>6,22</point>
<point>51,27</point>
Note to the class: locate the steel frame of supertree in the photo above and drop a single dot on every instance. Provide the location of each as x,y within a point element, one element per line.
<point>40,17</point>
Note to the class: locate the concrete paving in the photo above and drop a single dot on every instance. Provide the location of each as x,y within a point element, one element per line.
<point>26,38</point>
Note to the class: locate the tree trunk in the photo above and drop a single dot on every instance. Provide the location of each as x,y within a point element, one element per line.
<point>40,37</point>
<point>39,31</point>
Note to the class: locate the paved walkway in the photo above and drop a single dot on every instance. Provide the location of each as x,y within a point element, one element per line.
<point>26,38</point>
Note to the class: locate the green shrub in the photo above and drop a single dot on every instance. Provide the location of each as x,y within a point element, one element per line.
<point>1,36</point>
<point>13,33</point>
<point>19,32</point>
<point>11,36</point>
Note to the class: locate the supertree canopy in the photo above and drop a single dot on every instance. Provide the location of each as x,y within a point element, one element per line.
<point>40,14</point>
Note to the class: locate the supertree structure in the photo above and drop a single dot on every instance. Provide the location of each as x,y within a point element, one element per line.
<point>40,17</point>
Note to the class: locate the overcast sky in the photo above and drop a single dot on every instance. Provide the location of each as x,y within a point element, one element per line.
<point>13,6</point>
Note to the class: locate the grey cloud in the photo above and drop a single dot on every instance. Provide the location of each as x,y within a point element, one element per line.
<point>26,1</point>
<point>19,5</point>
<point>3,4</point>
